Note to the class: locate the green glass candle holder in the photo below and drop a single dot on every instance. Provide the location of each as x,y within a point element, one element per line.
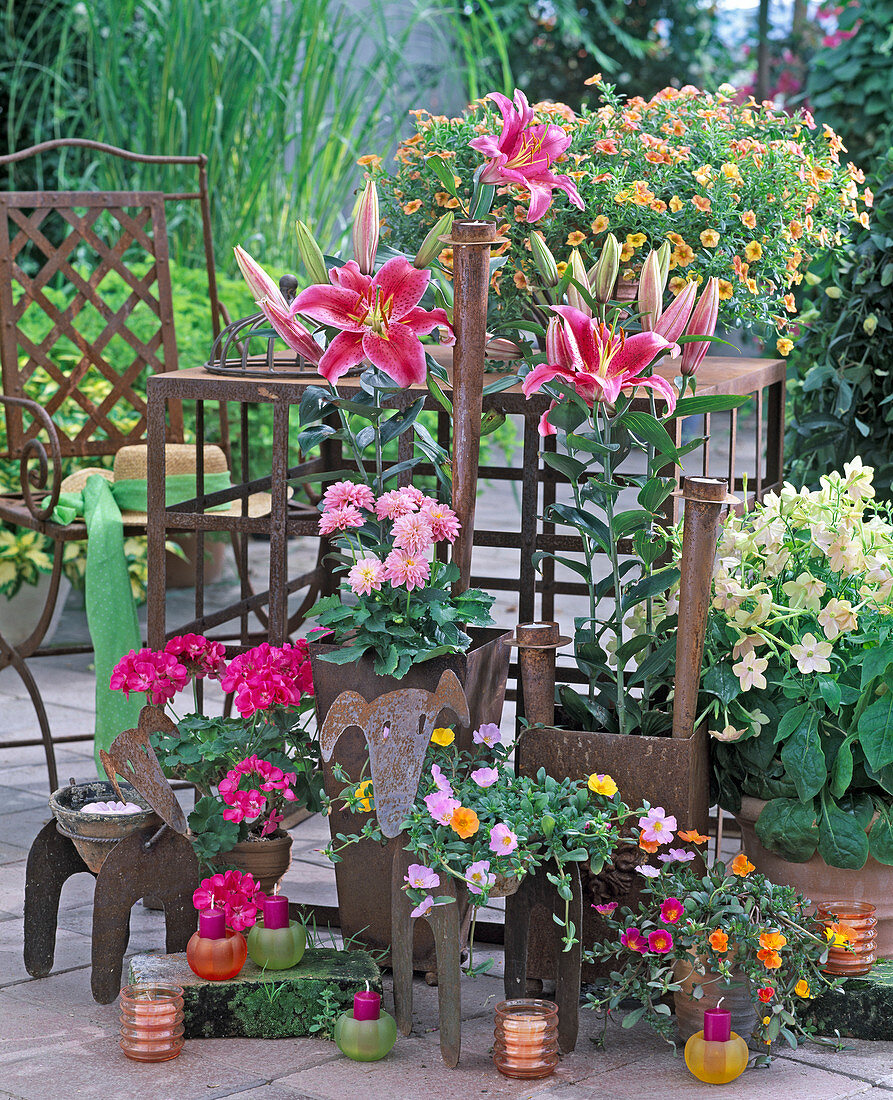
<point>276,948</point>
<point>365,1033</point>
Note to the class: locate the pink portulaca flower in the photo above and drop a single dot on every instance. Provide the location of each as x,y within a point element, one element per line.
<point>485,777</point>
<point>444,522</point>
<point>676,855</point>
<point>657,826</point>
<point>379,318</point>
<point>599,362</point>
<point>660,941</point>
<point>633,939</point>
<point>346,492</point>
<point>607,909</point>
<point>488,734</point>
<point>478,877</point>
<point>502,840</point>
<point>425,906</point>
<point>365,575</point>
<point>671,910</point>
<point>647,871</point>
<point>441,806</point>
<point>345,518</point>
<point>440,780</point>
<point>421,877</point>
<point>524,153</point>
<point>405,570</point>
<point>413,533</point>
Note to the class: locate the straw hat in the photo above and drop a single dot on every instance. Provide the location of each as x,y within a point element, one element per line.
<point>179,458</point>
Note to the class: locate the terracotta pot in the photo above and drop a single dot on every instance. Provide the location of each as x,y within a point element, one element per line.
<point>266,859</point>
<point>669,772</point>
<point>735,996</point>
<point>363,876</point>
<point>817,880</point>
<point>181,574</point>
<point>94,835</point>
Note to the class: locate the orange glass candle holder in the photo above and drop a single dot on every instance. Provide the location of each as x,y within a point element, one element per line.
<point>151,1022</point>
<point>526,1043</point>
<point>857,918</point>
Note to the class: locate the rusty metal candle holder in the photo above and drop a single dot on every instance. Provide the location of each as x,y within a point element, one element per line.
<point>155,859</point>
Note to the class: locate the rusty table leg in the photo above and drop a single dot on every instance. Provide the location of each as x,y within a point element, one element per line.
<point>536,890</point>
<point>51,861</point>
<point>444,923</point>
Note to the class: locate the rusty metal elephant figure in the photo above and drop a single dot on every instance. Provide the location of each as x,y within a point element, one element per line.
<point>397,728</point>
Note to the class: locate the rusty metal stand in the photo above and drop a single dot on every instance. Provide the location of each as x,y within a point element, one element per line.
<point>162,862</point>
<point>444,921</point>
<point>536,890</point>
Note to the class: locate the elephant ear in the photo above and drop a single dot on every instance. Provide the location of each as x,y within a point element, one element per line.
<point>349,709</point>
<point>451,696</point>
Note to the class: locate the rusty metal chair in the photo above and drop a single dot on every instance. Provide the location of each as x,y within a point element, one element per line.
<point>77,238</point>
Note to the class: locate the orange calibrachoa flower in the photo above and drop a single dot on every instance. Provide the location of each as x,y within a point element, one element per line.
<point>600,224</point>
<point>741,865</point>
<point>692,836</point>
<point>753,250</point>
<point>412,206</point>
<point>710,238</point>
<point>370,160</point>
<point>718,940</point>
<point>784,345</point>
<point>464,822</point>
<point>576,238</point>
<point>726,289</point>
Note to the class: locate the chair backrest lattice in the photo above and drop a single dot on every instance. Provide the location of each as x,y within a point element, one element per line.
<point>73,301</point>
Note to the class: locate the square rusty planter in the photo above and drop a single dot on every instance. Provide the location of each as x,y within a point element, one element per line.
<point>667,771</point>
<point>363,876</point>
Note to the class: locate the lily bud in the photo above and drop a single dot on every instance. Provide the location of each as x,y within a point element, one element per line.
<point>311,255</point>
<point>432,245</point>
<point>259,282</point>
<point>650,293</point>
<point>702,323</point>
<point>663,255</point>
<point>578,272</point>
<point>365,228</point>
<point>544,260</point>
<point>557,350</point>
<point>606,270</point>
<point>673,320</point>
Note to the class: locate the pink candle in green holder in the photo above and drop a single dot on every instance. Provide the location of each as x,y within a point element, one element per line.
<point>366,1034</point>
<point>276,942</point>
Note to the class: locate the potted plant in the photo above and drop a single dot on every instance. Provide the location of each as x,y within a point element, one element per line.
<point>746,194</point>
<point>478,822</point>
<point>245,768</point>
<point>799,667</point>
<point>26,565</point>
<point>729,935</point>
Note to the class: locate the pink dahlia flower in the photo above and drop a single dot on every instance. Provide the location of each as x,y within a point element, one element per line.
<point>365,575</point>
<point>379,318</point>
<point>523,154</point>
<point>345,518</point>
<point>405,570</point>
<point>444,522</point>
<point>394,504</point>
<point>413,533</point>
<point>346,492</point>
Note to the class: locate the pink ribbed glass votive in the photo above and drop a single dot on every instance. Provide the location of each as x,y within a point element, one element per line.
<point>526,1038</point>
<point>151,1022</point>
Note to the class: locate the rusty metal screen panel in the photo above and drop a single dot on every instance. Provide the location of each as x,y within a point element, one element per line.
<point>72,338</point>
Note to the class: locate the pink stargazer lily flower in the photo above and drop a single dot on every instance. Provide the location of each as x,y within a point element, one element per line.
<point>524,153</point>
<point>274,307</point>
<point>597,361</point>
<point>379,318</point>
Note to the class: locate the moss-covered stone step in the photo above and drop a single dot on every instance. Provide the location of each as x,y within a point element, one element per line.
<point>276,1004</point>
<point>861,1009</point>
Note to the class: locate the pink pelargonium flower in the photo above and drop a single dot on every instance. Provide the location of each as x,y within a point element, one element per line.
<point>407,570</point>
<point>379,318</point>
<point>274,307</point>
<point>345,518</point>
<point>202,656</point>
<point>346,492</point>
<point>159,675</point>
<point>599,362</point>
<point>367,574</point>
<point>523,154</point>
<point>502,840</point>
<point>413,533</point>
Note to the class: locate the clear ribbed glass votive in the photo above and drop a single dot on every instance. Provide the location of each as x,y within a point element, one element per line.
<point>857,920</point>
<point>526,1043</point>
<point>151,1022</point>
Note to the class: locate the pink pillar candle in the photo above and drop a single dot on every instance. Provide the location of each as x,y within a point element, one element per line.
<point>212,924</point>
<point>367,1006</point>
<point>275,910</point>
<point>717,1025</point>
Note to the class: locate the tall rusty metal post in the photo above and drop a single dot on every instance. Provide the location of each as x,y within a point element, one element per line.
<point>471,242</point>
<point>537,643</point>
<point>705,498</point>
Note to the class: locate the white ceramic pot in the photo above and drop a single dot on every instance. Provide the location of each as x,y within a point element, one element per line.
<point>20,615</point>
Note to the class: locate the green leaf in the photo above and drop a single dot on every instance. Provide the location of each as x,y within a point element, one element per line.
<point>645,426</point>
<point>491,421</point>
<point>842,770</point>
<point>584,522</point>
<point>344,655</point>
<point>649,586</point>
<point>790,720</point>
<point>500,384</point>
<point>312,437</point>
<point>842,841</point>
<point>444,173</point>
<point>564,464</point>
<point>722,682</point>
<point>875,663</point>
<point>788,827</point>
<point>875,728</point>
<point>880,838</point>
<point>830,693</point>
<point>439,396</point>
<point>693,406</point>
<point>655,491</point>
<point>315,403</point>
<point>804,758</point>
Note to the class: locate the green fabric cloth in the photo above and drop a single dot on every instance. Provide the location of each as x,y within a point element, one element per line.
<point>111,611</point>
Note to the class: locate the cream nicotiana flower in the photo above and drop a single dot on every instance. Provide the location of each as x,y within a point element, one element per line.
<point>812,655</point>
<point>749,671</point>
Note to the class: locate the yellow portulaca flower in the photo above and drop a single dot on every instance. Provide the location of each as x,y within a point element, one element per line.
<point>443,737</point>
<point>602,784</point>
